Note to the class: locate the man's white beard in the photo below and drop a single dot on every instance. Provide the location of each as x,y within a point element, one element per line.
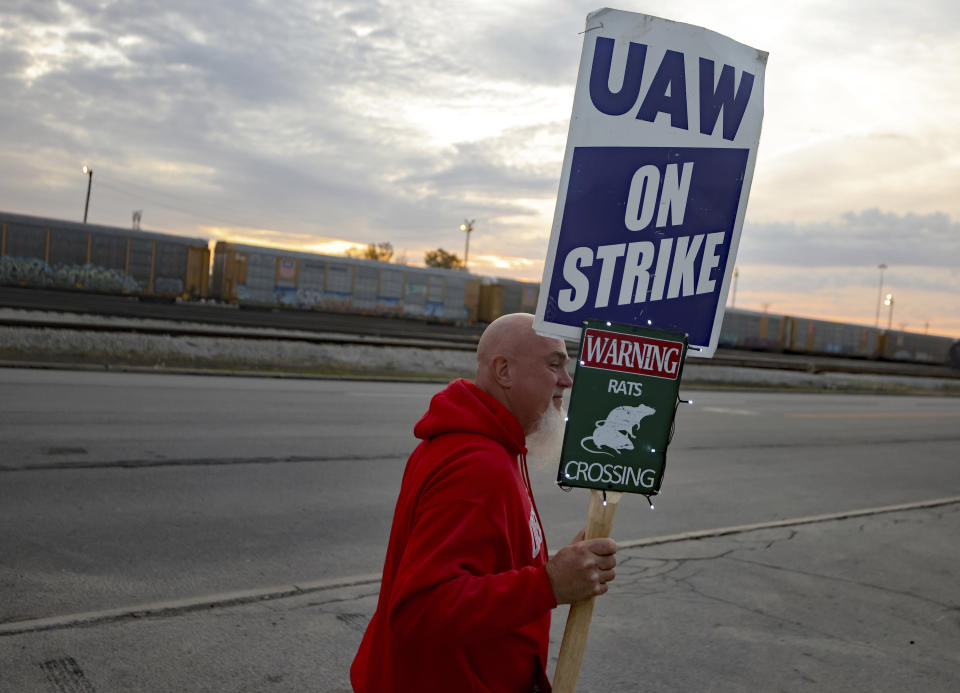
<point>546,440</point>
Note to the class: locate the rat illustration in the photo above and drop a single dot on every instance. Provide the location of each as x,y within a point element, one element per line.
<point>616,431</point>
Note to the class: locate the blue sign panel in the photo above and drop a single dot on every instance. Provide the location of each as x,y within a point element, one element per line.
<point>645,237</point>
<point>656,175</point>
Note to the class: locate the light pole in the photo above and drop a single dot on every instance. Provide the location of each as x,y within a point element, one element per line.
<point>879,294</point>
<point>888,301</point>
<point>89,172</point>
<point>467,226</point>
<point>736,273</point>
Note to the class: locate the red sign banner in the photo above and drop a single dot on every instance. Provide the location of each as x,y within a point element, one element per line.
<point>626,353</point>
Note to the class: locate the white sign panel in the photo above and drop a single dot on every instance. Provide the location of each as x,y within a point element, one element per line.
<point>659,160</point>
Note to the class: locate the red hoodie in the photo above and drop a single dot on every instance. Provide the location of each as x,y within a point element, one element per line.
<point>465,600</point>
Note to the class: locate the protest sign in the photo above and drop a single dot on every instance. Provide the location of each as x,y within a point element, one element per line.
<point>653,191</point>
<point>622,408</point>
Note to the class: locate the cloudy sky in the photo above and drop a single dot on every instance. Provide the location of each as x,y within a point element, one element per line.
<point>314,125</point>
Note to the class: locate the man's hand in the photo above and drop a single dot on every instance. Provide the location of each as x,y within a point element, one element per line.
<point>582,569</point>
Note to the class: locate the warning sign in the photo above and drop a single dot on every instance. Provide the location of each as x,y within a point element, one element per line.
<point>622,408</point>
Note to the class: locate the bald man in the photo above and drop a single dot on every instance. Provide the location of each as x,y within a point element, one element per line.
<point>467,586</point>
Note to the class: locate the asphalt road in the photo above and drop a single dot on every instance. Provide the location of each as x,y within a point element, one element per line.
<point>118,490</point>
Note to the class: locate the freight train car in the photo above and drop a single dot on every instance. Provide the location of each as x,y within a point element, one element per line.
<point>744,329</point>
<point>953,356</point>
<point>253,275</point>
<point>919,348</point>
<point>809,336</point>
<point>499,296</point>
<point>519,297</point>
<point>52,253</point>
<point>41,252</point>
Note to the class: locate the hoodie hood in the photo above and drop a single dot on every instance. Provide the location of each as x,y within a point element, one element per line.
<point>462,407</point>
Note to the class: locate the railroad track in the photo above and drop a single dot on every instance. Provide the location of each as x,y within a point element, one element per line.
<point>222,315</point>
<point>226,332</point>
<point>219,322</point>
<point>723,357</point>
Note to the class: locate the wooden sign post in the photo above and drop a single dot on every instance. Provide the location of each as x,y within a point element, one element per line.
<point>599,524</point>
<point>622,408</point>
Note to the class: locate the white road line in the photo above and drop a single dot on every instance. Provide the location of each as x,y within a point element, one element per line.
<point>176,606</point>
<point>728,410</point>
<point>791,522</point>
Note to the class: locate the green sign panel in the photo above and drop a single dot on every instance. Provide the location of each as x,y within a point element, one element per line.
<point>622,406</point>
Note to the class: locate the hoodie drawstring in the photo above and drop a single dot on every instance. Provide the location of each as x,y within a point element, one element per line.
<point>526,480</point>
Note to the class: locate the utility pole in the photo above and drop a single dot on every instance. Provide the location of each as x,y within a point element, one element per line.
<point>879,295</point>
<point>467,226</point>
<point>89,171</point>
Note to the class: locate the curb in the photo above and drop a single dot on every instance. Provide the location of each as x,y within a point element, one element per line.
<point>241,597</point>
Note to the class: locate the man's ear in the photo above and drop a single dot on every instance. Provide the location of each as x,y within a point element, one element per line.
<point>502,372</point>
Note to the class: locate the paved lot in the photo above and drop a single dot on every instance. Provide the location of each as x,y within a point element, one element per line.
<point>862,604</point>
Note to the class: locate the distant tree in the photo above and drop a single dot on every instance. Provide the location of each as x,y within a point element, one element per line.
<point>373,251</point>
<point>441,258</point>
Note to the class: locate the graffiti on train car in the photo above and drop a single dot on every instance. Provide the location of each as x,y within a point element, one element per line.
<point>34,272</point>
<point>24,270</point>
